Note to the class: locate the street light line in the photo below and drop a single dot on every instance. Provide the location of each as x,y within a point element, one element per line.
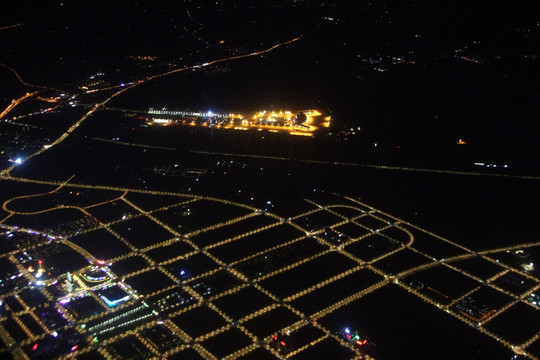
<point>380,167</point>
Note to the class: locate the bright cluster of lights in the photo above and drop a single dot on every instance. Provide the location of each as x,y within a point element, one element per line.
<point>353,337</point>
<point>269,120</point>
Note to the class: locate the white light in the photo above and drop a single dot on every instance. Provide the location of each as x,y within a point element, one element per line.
<point>18,161</point>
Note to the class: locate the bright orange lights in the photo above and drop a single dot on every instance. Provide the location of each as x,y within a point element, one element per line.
<point>301,123</point>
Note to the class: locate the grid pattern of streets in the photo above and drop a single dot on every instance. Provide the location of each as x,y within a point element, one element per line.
<point>170,274</point>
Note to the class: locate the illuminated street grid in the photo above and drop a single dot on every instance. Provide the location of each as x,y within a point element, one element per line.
<point>217,289</point>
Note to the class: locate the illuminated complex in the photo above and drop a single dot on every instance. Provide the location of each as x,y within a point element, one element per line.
<point>296,123</point>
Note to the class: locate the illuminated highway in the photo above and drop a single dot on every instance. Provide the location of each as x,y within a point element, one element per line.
<point>10,26</point>
<point>15,103</point>
<point>372,166</point>
<point>124,88</point>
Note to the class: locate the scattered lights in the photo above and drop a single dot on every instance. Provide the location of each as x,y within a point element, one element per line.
<point>75,347</point>
<point>18,161</point>
<point>282,343</point>
<point>34,348</point>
